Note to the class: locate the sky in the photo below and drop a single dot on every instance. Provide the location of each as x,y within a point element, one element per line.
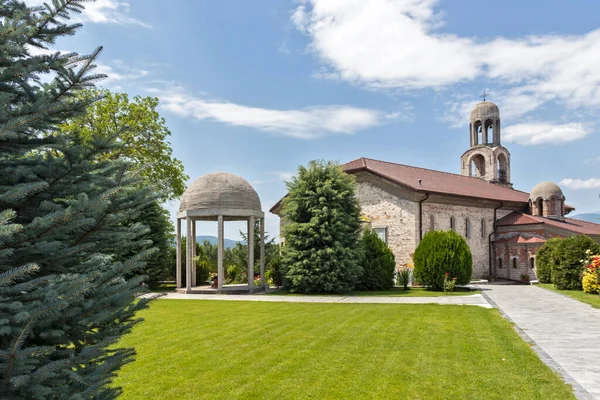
<point>256,88</point>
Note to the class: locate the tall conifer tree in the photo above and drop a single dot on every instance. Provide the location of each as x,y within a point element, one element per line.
<point>63,221</point>
<point>322,224</point>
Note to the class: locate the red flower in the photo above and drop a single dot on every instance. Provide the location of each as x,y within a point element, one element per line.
<point>447,273</point>
<point>453,279</point>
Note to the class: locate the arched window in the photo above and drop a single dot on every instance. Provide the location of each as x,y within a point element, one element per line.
<point>467,228</point>
<point>431,223</point>
<point>477,166</point>
<point>482,228</point>
<point>532,262</point>
<point>514,263</point>
<point>540,206</point>
<point>488,131</point>
<point>452,223</point>
<point>499,263</point>
<point>477,133</point>
<point>502,168</point>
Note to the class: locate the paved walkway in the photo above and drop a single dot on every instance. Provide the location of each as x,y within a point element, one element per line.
<point>474,299</point>
<point>566,332</point>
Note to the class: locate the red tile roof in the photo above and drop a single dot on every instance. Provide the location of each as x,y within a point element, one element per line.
<point>520,240</point>
<point>569,224</point>
<point>436,181</point>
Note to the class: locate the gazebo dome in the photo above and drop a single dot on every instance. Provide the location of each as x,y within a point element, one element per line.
<point>546,190</point>
<point>220,191</point>
<point>485,109</point>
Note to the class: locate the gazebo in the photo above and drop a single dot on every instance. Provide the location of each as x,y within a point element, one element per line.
<point>219,196</point>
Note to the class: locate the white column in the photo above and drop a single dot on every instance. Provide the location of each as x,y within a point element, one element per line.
<point>262,252</point>
<point>194,253</point>
<point>188,255</point>
<point>178,252</point>
<point>251,254</point>
<point>220,245</point>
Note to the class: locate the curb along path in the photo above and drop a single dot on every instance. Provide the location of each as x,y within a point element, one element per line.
<point>474,299</point>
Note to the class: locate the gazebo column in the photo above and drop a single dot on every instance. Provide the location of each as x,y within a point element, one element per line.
<point>251,254</point>
<point>178,252</point>
<point>262,252</point>
<point>220,242</point>
<point>194,253</point>
<point>188,255</point>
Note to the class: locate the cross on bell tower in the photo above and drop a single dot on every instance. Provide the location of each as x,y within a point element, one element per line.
<point>484,95</point>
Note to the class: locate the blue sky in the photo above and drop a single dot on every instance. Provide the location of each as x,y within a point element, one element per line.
<point>257,88</point>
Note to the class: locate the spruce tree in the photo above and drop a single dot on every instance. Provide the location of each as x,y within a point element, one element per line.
<point>322,224</point>
<point>63,221</point>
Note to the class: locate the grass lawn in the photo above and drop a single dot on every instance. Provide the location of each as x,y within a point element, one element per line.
<point>195,349</point>
<point>591,299</point>
<point>395,292</point>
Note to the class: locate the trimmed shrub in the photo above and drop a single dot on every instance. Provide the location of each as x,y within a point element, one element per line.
<point>544,260</point>
<point>567,269</point>
<point>377,261</point>
<point>440,252</point>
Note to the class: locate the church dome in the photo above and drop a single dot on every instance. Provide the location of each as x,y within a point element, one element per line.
<point>220,191</point>
<point>485,109</point>
<point>546,190</point>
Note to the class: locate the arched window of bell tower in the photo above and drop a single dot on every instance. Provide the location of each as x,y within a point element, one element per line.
<point>502,168</point>
<point>488,131</point>
<point>477,166</point>
<point>477,133</point>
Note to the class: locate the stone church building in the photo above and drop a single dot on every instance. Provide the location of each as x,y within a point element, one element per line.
<point>504,227</point>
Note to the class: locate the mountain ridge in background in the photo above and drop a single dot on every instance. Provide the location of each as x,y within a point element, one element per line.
<point>590,217</point>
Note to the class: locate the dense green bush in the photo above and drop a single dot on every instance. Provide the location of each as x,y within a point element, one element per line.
<point>440,252</point>
<point>567,268</point>
<point>544,260</point>
<point>322,229</point>
<point>377,261</point>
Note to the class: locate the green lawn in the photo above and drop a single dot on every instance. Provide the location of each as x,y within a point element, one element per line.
<point>395,292</point>
<point>591,299</point>
<point>194,349</point>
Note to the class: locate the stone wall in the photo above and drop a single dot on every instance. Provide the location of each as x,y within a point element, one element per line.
<point>478,242</point>
<point>522,254</point>
<point>399,216</point>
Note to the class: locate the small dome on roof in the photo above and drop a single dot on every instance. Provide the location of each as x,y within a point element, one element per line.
<point>218,191</point>
<point>546,190</point>
<point>485,109</point>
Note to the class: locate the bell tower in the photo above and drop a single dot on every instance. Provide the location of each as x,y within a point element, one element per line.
<point>487,159</point>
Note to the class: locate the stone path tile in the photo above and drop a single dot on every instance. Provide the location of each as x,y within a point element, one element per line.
<point>474,299</point>
<point>565,332</point>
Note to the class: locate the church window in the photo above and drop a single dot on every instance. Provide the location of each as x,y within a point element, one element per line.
<point>514,263</point>
<point>502,168</point>
<point>382,233</point>
<point>532,262</point>
<point>483,228</point>
<point>540,206</point>
<point>467,228</point>
<point>431,223</point>
<point>499,263</point>
<point>452,223</point>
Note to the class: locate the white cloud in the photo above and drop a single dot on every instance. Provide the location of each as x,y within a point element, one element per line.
<point>305,123</point>
<point>592,161</point>
<point>397,43</point>
<point>119,72</point>
<point>536,133</point>
<point>101,12</point>
<point>591,183</point>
